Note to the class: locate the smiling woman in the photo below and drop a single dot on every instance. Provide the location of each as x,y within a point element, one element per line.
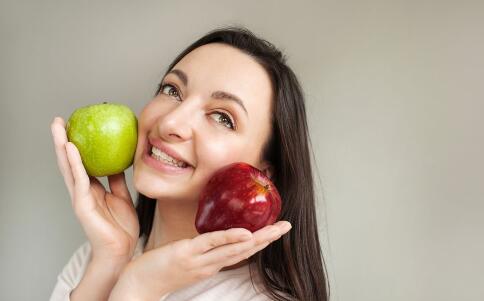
<point>229,97</point>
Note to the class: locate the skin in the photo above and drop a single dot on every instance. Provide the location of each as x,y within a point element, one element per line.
<point>190,123</point>
<point>202,139</point>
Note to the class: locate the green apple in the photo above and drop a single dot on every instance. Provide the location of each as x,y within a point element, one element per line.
<point>105,135</point>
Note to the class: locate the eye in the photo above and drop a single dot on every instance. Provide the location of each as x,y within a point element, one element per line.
<point>224,119</point>
<point>170,90</point>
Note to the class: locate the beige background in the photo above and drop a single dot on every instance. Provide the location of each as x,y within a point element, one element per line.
<point>395,97</point>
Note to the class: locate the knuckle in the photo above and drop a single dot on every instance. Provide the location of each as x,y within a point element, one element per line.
<point>213,243</point>
<point>232,234</point>
<point>260,240</point>
<point>214,240</point>
<point>233,252</point>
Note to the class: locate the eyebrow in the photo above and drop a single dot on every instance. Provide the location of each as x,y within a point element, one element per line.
<point>217,94</point>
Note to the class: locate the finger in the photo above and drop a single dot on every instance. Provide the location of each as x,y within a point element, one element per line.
<point>244,255</point>
<point>98,191</point>
<point>117,184</point>
<point>284,228</point>
<point>81,179</point>
<point>210,240</point>
<point>60,139</point>
<point>252,251</point>
<point>97,187</point>
<point>226,255</point>
<point>271,232</point>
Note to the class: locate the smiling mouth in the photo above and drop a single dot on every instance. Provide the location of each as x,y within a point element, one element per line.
<point>161,156</point>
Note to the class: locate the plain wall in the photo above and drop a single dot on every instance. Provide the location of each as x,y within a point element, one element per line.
<point>395,100</point>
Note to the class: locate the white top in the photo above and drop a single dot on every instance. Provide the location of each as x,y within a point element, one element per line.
<point>227,285</point>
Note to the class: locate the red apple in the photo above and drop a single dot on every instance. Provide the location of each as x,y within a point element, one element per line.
<point>237,196</point>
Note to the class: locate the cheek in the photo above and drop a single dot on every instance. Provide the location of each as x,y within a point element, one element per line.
<point>220,152</point>
<point>148,115</point>
<point>147,118</point>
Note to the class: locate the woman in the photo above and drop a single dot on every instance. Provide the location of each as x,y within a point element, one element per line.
<point>229,97</point>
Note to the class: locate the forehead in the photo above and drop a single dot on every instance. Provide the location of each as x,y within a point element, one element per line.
<point>218,66</point>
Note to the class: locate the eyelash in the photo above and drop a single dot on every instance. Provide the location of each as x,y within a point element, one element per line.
<point>230,124</point>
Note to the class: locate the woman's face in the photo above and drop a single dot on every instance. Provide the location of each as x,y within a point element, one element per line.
<point>214,109</point>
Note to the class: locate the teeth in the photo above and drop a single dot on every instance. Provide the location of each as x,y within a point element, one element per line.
<point>162,156</point>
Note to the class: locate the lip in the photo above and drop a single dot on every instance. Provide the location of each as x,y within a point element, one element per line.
<point>165,148</point>
<point>160,165</point>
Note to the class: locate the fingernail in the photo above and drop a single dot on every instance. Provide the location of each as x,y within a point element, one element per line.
<point>287,227</point>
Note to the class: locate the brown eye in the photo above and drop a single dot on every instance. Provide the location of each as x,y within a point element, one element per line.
<point>224,119</point>
<point>170,90</point>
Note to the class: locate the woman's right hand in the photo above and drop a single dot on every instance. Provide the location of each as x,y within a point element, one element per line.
<point>181,263</point>
<point>109,219</point>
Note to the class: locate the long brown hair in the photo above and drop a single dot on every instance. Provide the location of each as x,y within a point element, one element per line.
<point>293,266</point>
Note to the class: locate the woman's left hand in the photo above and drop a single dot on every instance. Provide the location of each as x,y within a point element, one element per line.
<point>184,262</point>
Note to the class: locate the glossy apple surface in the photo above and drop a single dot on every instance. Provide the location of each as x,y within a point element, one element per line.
<point>105,135</point>
<point>237,196</point>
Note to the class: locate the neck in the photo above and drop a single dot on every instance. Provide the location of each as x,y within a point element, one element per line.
<point>172,221</point>
<point>175,221</point>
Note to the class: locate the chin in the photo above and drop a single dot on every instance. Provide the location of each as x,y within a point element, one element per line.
<point>145,185</point>
<point>155,188</point>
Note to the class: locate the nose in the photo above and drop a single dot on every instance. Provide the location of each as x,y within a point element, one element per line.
<point>176,125</point>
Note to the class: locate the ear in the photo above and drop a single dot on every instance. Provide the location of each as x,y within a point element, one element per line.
<point>267,169</point>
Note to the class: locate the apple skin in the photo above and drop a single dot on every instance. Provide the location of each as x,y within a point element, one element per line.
<point>106,135</point>
<point>237,196</point>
